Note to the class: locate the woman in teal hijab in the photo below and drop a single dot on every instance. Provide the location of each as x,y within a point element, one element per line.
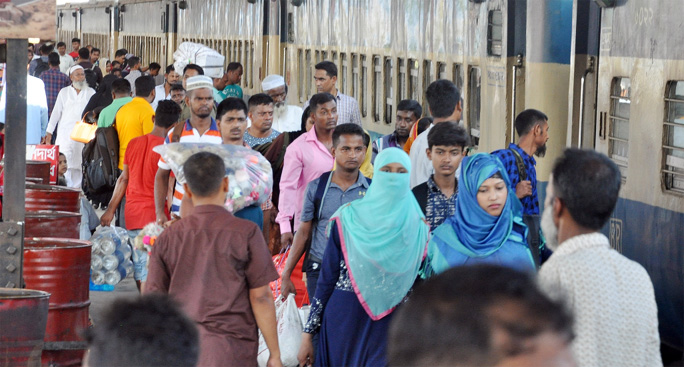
<point>375,249</point>
<point>487,226</point>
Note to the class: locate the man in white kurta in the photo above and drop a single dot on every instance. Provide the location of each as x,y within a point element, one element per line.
<point>610,296</point>
<point>71,101</point>
<point>36,109</point>
<point>285,117</point>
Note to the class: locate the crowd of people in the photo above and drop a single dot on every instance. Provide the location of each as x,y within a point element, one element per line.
<point>415,251</point>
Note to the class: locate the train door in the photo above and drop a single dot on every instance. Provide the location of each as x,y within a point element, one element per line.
<point>517,26</point>
<point>142,30</point>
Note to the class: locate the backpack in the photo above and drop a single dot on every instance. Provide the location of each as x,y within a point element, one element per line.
<point>40,68</point>
<point>101,165</point>
<point>91,77</point>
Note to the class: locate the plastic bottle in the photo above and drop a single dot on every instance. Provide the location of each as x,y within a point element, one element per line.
<point>113,277</point>
<point>107,245</point>
<point>98,277</point>
<point>128,267</point>
<point>96,262</point>
<point>110,262</point>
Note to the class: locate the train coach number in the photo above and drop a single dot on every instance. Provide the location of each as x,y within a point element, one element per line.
<point>616,234</point>
<point>643,16</point>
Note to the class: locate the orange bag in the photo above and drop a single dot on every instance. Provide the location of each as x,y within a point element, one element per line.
<point>302,296</point>
<point>83,132</point>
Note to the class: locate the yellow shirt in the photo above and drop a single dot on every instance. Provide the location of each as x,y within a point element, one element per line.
<point>134,119</point>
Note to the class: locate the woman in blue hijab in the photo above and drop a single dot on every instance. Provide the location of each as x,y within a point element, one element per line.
<point>487,226</point>
<point>375,249</point>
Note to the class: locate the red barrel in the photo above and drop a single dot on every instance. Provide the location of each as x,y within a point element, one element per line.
<point>61,267</point>
<point>52,224</point>
<point>39,170</point>
<point>23,315</point>
<point>50,197</point>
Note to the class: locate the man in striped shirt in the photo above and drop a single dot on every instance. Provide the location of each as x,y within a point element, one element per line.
<point>199,128</point>
<point>326,82</point>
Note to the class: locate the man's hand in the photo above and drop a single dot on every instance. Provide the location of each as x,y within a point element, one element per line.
<point>274,361</point>
<point>107,217</point>
<point>286,286</point>
<point>306,351</point>
<point>286,239</point>
<point>47,139</point>
<point>523,189</point>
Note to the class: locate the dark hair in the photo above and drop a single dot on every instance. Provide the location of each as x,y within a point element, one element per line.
<point>203,173</point>
<point>305,116</point>
<point>120,52</point>
<point>167,113</point>
<point>114,71</point>
<point>348,129</point>
<point>133,61</point>
<point>177,86</point>
<point>144,85</point>
<point>233,66</point>
<point>150,330</point>
<point>121,86</point>
<point>45,49</point>
<point>170,68</point>
<point>423,124</point>
<point>526,121</point>
<point>155,66</point>
<point>411,105</point>
<point>193,67</point>
<point>588,183</point>
<point>75,40</point>
<point>448,133</point>
<point>61,44</point>
<point>83,53</point>
<point>319,99</point>
<point>95,49</point>
<point>259,99</point>
<point>442,97</point>
<point>231,104</point>
<point>114,63</point>
<point>457,312</point>
<point>53,59</point>
<point>329,67</point>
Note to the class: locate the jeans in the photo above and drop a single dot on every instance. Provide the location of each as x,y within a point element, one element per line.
<point>139,257</point>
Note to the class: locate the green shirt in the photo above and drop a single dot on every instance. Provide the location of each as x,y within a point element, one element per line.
<point>219,96</point>
<point>107,115</point>
<point>232,90</point>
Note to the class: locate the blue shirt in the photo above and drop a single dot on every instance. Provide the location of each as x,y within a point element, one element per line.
<point>530,203</point>
<point>439,207</point>
<point>333,198</point>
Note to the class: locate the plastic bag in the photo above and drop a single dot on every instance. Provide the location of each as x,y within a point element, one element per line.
<point>289,326</point>
<point>297,278</point>
<point>249,174</point>
<point>111,256</point>
<point>194,53</point>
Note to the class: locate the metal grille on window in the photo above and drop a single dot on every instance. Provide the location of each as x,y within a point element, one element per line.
<point>413,80</point>
<point>457,76</point>
<point>673,138</point>
<point>441,71</point>
<point>377,88</point>
<point>618,137</point>
<point>309,74</point>
<point>427,79</point>
<point>364,82</point>
<point>474,89</point>
<point>388,90</point>
<point>355,77</point>
<point>344,63</point>
<point>495,33</point>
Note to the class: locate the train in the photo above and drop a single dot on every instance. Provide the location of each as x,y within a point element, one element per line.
<point>608,73</point>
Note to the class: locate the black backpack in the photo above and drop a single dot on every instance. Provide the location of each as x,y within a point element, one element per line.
<point>40,68</point>
<point>101,165</point>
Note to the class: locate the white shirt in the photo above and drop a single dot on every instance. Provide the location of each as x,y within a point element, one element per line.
<point>65,62</point>
<point>421,166</point>
<point>36,109</point>
<point>612,300</point>
<point>160,95</point>
<point>290,121</point>
<point>131,77</point>
<point>68,109</point>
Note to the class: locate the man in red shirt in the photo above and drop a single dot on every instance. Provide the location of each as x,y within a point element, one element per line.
<point>137,181</point>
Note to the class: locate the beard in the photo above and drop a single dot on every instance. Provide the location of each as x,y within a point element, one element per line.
<point>279,110</point>
<point>541,151</point>
<point>82,85</point>
<point>549,228</point>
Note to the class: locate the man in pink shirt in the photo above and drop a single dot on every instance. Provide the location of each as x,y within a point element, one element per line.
<point>306,159</point>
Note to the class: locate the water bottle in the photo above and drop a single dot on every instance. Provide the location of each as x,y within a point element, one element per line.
<point>96,262</point>
<point>125,250</point>
<point>107,246</point>
<point>110,262</point>
<point>113,277</point>
<point>127,266</point>
<point>98,277</point>
<point>95,248</point>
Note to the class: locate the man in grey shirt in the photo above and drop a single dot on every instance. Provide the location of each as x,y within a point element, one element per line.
<point>343,185</point>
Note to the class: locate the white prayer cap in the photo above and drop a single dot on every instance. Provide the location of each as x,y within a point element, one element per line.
<point>74,68</point>
<point>198,82</point>
<point>272,81</point>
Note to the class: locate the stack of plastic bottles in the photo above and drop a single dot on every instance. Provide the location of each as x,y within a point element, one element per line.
<point>111,256</point>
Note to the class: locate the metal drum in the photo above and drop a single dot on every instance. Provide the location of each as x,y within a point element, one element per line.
<point>52,224</point>
<point>50,197</point>
<point>39,170</point>
<point>23,315</point>
<point>62,268</point>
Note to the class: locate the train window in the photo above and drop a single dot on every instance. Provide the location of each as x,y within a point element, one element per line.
<point>401,79</point>
<point>251,64</point>
<point>495,33</point>
<point>618,136</point>
<point>441,71</point>
<point>364,82</point>
<point>324,56</point>
<point>377,88</point>
<point>301,90</point>
<point>413,80</point>
<point>457,76</point>
<point>427,79</point>
<point>355,77</point>
<point>388,90</point>
<point>333,57</point>
<point>309,75</point>
<point>673,138</point>
<point>344,63</point>
<point>474,90</point>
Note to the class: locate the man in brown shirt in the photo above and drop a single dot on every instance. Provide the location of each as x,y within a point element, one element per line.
<point>218,267</point>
